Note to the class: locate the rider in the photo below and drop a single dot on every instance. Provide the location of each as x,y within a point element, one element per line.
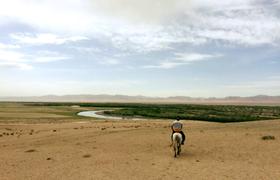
<point>177,126</point>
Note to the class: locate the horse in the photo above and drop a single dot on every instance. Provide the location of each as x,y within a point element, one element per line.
<point>176,141</point>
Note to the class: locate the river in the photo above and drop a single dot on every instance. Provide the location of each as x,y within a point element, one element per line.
<point>97,114</point>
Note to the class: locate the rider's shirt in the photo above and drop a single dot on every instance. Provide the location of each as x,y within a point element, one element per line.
<point>177,126</point>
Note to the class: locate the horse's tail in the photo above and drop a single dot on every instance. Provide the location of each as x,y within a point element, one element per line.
<point>177,139</point>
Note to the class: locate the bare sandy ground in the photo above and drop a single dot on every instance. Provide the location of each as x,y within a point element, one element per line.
<point>138,150</point>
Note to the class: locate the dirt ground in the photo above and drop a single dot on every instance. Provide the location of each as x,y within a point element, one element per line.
<point>139,150</point>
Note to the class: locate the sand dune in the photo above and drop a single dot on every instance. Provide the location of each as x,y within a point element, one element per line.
<point>138,150</point>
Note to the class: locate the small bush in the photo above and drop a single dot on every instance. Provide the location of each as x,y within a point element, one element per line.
<point>268,137</point>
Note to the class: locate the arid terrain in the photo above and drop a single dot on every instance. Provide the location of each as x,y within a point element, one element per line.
<point>87,148</point>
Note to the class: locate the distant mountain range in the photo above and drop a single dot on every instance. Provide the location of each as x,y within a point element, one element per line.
<point>260,99</point>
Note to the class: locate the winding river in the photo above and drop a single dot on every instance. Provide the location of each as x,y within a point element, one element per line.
<point>97,114</point>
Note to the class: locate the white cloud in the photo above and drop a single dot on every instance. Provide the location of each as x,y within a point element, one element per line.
<point>109,61</point>
<point>47,56</point>
<point>165,65</point>
<point>87,50</point>
<point>45,38</point>
<point>244,23</point>
<point>12,59</point>
<point>192,57</point>
<point>144,11</point>
<point>11,56</point>
<point>23,61</point>
<point>8,46</point>
<point>16,65</point>
<point>145,26</point>
<point>49,59</point>
<point>251,26</point>
<point>71,16</point>
<point>182,59</point>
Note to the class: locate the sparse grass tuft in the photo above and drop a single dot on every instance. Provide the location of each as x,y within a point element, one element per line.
<point>269,137</point>
<point>30,150</point>
<point>86,156</point>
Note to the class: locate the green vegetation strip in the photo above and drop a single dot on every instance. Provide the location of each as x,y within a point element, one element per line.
<point>214,113</point>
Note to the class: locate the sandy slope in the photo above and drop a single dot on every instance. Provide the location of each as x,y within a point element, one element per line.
<point>139,150</point>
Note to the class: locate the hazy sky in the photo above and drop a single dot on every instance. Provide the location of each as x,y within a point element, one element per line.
<point>197,48</point>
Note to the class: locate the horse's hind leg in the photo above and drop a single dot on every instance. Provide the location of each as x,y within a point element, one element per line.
<point>179,149</point>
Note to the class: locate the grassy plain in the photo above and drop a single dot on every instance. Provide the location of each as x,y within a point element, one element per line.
<point>26,113</point>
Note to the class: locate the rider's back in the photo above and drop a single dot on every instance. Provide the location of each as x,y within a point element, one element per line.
<point>177,126</point>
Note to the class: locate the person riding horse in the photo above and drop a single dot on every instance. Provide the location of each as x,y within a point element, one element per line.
<point>177,126</point>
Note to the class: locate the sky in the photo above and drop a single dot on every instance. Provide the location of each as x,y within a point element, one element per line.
<point>198,48</point>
